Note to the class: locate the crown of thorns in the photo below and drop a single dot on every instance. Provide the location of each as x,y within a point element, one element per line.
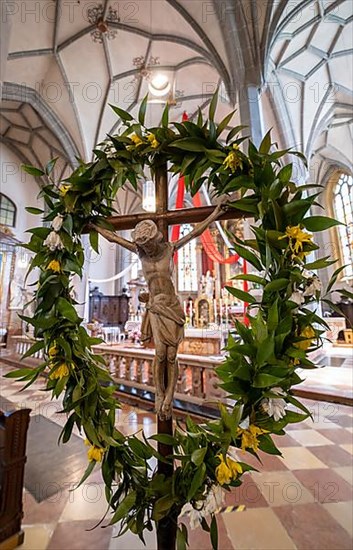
<point>146,231</point>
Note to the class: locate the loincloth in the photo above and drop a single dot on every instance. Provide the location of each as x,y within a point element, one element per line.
<point>164,320</point>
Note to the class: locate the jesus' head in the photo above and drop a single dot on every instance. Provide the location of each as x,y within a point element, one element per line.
<point>147,236</point>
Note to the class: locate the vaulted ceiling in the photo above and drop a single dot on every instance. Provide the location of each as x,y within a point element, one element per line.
<point>297,54</point>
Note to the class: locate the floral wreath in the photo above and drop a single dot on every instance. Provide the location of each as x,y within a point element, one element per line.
<point>260,369</point>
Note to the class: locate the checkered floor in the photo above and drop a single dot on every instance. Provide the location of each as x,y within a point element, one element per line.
<point>301,501</point>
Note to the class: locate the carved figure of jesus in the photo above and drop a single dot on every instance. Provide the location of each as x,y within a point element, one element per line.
<point>164,318</point>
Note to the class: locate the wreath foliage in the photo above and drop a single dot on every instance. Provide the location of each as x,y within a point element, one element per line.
<point>263,358</point>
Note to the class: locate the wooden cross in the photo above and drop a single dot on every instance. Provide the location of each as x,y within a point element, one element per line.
<point>166,528</point>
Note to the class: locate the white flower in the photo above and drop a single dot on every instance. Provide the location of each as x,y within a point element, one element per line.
<point>195,516</point>
<point>275,406</point>
<point>213,502</point>
<point>57,222</point>
<point>297,297</point>
<point>245,423</point>
<point>214,499</point>
<point>110,153</point>
<point>53,241</point>
<point>315,285</point>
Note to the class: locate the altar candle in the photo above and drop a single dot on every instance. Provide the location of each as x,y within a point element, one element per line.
<point>220,310</point>
<point>185,308</point>
<point>215,309</point>
<point>190,312</point>
<point>227,314</point>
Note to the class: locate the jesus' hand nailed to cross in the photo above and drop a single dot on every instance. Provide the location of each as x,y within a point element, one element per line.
<point>164,318</point>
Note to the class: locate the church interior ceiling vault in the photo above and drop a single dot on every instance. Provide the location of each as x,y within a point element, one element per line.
<point>297,54</point>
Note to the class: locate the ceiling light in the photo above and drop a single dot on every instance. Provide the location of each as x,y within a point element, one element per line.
<point>159,85</point>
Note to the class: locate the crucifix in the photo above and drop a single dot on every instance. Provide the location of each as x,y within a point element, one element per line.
<point>164,318</point>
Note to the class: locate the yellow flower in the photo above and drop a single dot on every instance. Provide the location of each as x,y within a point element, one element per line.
<point>153,141</point>
<point>249,437</point>
<point>95,453</point>
<point>60,371</point>
<point>53,351</point>
<point>136,139</point>
<point>54,265</point>
<point>227,470</point>
<point>232,161</point>
<point>297,237</point>
<point>308,333</point>
<point>64,189</point>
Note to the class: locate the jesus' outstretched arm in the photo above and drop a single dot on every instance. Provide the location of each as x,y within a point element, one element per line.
<point>114,238</point>
<point>200,227</point>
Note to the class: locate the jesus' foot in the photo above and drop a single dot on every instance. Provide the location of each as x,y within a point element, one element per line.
<point>158,403</point>
<point>166,411</point>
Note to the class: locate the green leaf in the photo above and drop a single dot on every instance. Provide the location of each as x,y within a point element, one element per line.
<point>266,445</point>
<point>165,116</point>
<point>247,204</point>
<point>36,172</point>
<point>93,239</point>
<point>124,115</point>
<point>222,125</point>
<point>50,166</point>
<point>214,533</point>
<point>162,507</point>
<point>235,131</point>
<point>265,144</point>
<point>33,349</point>
<point>124,507</point>
<point>319,223</point>
<point>252,278</point>
<point>248,256</point>
<point>190,144</point>
<point>35,211</point>
<point>166,439</point>
<point>87,473</point>
<point>266,380</point>
<point>320,263</point>
<point>180,539</point>
<point>241,295</point>
<point>18,373</point>
<point>198,456</point>
<point>67,310</point>
<point>142,111</point>
<point>213,105</point>
<point>265,351</point>
<point>334,277</point>
<point>197,481</point>
<point>276,284</point>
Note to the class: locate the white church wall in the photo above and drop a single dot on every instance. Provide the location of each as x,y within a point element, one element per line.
<point>22,189</point>
<point>102,265</point>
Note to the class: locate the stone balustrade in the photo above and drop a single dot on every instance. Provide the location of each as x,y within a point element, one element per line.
<point>132,367</point>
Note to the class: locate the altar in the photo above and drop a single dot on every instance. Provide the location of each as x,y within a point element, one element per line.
<point>203,341</point>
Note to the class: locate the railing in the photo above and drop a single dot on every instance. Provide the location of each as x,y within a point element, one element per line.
<point>133,368</point>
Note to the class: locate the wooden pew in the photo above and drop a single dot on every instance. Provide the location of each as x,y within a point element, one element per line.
<point>13,436</point>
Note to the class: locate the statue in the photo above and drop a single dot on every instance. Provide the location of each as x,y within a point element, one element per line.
<point>209,285</point>
<point>17,293</point>
<point>164,317</point>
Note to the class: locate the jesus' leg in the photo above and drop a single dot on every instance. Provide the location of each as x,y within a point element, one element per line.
<point>159,367</point>
<point>173,373</point>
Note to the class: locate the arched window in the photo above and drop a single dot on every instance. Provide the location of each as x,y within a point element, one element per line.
<point>7,211</point>
<point>187,266</point>
<point>343,207</point>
